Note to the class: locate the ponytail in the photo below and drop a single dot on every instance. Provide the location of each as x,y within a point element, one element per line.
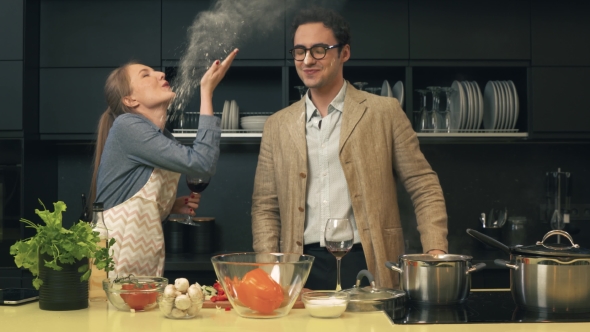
<point>116,87</point>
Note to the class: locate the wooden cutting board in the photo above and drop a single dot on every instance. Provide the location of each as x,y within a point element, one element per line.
<point>225,304</point>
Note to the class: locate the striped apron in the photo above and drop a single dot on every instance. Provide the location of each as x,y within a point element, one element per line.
<point>136,225</point>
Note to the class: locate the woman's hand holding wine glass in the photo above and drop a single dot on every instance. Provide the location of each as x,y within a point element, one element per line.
<point>339,237</point>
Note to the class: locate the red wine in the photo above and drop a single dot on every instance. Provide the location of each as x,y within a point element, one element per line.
<point>197,187</point>
<point>339,253</point>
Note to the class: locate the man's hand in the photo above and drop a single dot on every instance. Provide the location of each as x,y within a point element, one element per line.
<point>186,204</point>
<point>436,252</point>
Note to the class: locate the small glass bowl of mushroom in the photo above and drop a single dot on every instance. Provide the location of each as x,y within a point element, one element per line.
<point>181,300</point>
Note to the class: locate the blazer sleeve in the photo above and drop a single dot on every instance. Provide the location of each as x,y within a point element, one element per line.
<point>266,227</point>
<point>420,181</point>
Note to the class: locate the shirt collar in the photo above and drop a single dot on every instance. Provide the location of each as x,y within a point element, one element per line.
<point>336,104</point>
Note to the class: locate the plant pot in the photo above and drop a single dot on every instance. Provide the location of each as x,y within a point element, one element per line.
<point>62,290</point>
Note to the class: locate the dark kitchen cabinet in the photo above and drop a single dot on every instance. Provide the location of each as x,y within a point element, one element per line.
<point>11,29</point>
<point>260,35</point>
<point>560,33</point>
<point>464,29</point>
<point>559,100</point>
<point>104,33</point>
<point>71,99</point>
<point>11,95</point>
<point>379,28</point>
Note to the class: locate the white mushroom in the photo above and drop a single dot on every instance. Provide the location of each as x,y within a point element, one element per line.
<point>195,308</point>
<point>177,313</point>
<point>170,291</point>
<point>181,284</point>
<point>195,293</point>
<point>166,307</point>
<point>182,302</point>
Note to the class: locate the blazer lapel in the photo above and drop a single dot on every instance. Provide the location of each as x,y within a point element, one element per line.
<point>354,108</point>
<point>296,126</point>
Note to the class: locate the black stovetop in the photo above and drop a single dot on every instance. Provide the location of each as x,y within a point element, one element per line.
<point>483,307</point>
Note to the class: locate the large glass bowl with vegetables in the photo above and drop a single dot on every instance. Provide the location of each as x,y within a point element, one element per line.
<point>262,285</point>
<point>134,293</point>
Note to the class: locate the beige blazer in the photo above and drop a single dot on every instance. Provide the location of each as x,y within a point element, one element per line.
<point>377,148</point>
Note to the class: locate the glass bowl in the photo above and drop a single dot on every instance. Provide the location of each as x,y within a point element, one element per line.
<point>181,304</point>
<point>325,304</point>
<point>139,293</point>
<point>262,285</point>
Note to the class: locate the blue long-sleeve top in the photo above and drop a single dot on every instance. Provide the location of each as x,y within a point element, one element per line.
<point>135,146</point>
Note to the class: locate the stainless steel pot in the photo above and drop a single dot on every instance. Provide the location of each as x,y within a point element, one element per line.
<point>550,277</point>
<point>436,279</point>
<point>371,298</point>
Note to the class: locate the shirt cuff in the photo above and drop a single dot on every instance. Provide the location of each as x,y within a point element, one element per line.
<point>209,122</point>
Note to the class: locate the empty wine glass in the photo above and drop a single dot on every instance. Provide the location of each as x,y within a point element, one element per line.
<point>360,85</point>
<point>446,114</point>
<point>433,115</point>
<point>339,237</point>
<point>421,116</point>
<point>302,90</point>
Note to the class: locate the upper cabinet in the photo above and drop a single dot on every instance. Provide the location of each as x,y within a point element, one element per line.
<point>71,99</point>
<point>257,29</point>
<point>469,30</point>
<point>11,29</point>
<point>560,33</point>
<point>105,33</point>
<point>11,95</point>
<point>560,108</point>
<point>379,28</point>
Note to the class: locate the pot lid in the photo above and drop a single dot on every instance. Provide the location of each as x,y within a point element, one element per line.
<point>436,257</point>
<point>564,249</point>
<point>541,248</point>
<point>371,293</point>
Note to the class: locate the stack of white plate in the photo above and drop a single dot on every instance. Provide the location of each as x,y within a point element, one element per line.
<point>253,122</point>
<point>467,106</point>
<point>500,105</point>
<point>230,115</point>
<point>396,92</point>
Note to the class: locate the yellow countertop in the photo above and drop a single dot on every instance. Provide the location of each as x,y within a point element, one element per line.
<point>104,318</point>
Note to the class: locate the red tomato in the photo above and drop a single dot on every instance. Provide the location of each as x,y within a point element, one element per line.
<point>138,300</point>
<point>259,292</point>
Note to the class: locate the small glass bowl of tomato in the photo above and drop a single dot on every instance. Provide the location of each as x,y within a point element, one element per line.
<point>262,285</point>
<point>138,293</point>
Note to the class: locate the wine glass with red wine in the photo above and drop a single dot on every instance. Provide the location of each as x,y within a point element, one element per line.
<point>339,237</point>
<point>197,183</point>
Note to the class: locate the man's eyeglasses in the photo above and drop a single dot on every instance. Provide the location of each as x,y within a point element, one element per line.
<point>317,52</point>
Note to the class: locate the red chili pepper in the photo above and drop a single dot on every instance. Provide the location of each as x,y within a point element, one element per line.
<point>214,298</point>
<point>227,308</point>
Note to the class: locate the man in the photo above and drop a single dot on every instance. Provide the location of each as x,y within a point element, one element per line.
<point>338,153</point>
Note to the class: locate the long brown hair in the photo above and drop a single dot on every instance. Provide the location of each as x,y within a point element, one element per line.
<point>116,88</point>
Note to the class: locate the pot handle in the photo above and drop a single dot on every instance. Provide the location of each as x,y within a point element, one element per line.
<point>504,263</point>
<point>476,267</point>
<point>393,267</point>
<point>558,232</point>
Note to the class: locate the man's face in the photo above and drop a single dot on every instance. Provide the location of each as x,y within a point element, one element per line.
<point>324,73</point>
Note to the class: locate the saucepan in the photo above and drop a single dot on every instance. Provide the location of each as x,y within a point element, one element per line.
<point>547,277</point>
<point>436,279</point>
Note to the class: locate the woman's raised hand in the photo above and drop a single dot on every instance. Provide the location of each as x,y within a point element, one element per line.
<point>215,74</point>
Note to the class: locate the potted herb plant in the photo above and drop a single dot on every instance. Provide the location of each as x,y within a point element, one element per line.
<point>59,258</point>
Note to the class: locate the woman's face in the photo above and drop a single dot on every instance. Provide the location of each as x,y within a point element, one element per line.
<point>148,88</point>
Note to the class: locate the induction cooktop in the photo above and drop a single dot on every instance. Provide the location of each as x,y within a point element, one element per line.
<point>483,307</point>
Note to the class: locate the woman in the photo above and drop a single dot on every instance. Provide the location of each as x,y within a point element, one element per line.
<point>138,162</point>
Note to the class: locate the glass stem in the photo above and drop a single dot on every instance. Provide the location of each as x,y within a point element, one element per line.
<point>338,286</point>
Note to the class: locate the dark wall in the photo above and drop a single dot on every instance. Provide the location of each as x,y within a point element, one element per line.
<point>474,178</point>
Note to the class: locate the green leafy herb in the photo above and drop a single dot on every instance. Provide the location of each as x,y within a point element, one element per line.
<point>65,246</point>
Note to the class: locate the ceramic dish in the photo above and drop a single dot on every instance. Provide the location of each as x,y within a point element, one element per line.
<point>490,113</point>
<point>456,105</point>
<point>224,114</point>
<point>398,92</point>
<point>480,106</point>
<point>516,103</point>
<point>386,89</point>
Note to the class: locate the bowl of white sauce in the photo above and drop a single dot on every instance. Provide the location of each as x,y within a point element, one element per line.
<point>325,304</point>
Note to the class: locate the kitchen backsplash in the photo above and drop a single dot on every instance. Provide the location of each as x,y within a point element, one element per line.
<point>474,178</point>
